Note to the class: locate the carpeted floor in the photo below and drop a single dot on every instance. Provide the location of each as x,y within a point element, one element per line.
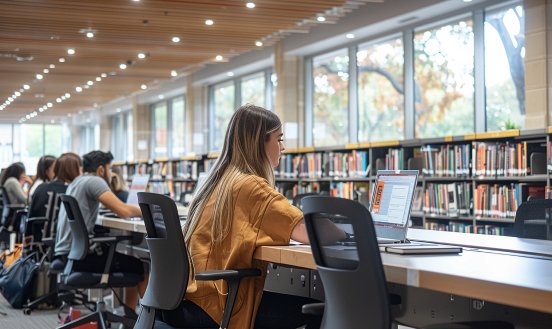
<point>11,318</point>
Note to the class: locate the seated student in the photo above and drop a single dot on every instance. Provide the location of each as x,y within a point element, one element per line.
<point>44,173</point>
<point>119,187</point>
<point>89,190</point>
<point>235,211</point>
<point>67,167</point>
<point>12,179</point>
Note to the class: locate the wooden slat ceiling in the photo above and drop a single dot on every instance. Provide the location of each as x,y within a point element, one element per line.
<point>34,34</point>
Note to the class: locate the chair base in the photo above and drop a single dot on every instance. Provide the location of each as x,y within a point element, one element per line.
<point>101,316</point>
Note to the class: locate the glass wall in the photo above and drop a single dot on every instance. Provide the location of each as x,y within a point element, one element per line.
<point>330,98</point>
<point>28,142</point>
<point>178,129</point>
<point>160,130</point>
<point>223,104</point>
<point>253,89</point>
<point>444,79</point>
<point>169,127</point>
<point>381,90</point>
<point>504,68</point>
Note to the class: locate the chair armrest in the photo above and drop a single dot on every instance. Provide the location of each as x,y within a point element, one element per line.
<point>227,274</point>
<point>314,308</point>
<point>37,220</point>
<point>110,238</point>
<point>233,279</point>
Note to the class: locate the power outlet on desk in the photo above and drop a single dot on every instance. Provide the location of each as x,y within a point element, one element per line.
<point>288,280</point>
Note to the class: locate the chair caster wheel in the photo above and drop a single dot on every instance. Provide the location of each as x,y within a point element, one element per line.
<point>27,311</point>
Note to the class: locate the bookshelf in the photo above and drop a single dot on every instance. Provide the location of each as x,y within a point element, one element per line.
<point>472,183</point>
<point>170,177</point>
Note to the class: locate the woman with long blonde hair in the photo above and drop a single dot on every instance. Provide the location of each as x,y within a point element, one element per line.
<point>236,210</point>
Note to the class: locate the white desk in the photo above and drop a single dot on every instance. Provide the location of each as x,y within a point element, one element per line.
<point>504,270</point>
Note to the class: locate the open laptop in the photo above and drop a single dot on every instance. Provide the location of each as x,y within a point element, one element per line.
<point>391,203</point>
<point>139,184</point>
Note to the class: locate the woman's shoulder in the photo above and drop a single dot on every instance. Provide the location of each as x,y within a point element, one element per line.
<point>255,185</point>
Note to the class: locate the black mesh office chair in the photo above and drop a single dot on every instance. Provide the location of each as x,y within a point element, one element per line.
<point>534,220</point>
<point>8,215</point>
<point>351,271</point>
<point>169,264</point>
<point>71,279</point>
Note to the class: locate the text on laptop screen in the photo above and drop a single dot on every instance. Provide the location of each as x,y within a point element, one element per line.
<point>392,197</point>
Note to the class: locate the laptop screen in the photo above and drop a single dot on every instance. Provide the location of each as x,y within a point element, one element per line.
<point>392,197</point>
<point>139,184</point>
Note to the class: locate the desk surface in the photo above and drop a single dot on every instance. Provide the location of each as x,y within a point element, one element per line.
<point>505,270</point>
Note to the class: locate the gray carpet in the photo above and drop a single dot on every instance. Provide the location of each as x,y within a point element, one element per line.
<point>11,318</point>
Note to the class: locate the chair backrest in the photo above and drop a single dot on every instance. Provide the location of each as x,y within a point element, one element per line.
<point>4,202</point>
<point>79,232</point>
<point>298,198</point>
<point>351,271</point>
<point>52,213</point>
<point>168,278</point>
<point>534,219</point>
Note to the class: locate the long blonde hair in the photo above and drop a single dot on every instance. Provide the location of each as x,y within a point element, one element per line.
<point>243,153</point>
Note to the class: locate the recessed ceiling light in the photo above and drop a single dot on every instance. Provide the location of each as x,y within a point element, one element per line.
<point>10,99</point>
<point>321,18</point>
<point>17,93</point>
<point>86,86</point>
<point>78,89</point>
<point>90,35</point>
<point>175,39</point>
<point>26,87</point>
<point>63,97</point>
<point>258,43</point>
<point>250,5</point>
<point>67,95</point>
<point>103,75</point>
<point>144,87</point>
<point>219,57</point>
<point>39,76</point>
<point>41,110</point>
<point>71,51</point>
<point>49,104</point>
<point>230,74</point>
<point>141,55</point>
<point>28,117</point>
<point>209,22</point>
<point>58,100</point>
<point>122,66</point>
<point>46,71</point>
<point>52,66</point>
<point>98,79</point>
<point>90,83</point>
<point>173,73</point>
<point>61,60</point>
<point>349,36</point>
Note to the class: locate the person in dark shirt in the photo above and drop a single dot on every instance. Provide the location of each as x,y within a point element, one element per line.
<point>66,168</point>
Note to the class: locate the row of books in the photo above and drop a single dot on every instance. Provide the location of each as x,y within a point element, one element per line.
<point>446,160</point>
<point>184,169</point>
<point>452,199</point>
<point>464,228</point>
<point>497,201</point>
<point>500,159</point>
<point>318,165</point>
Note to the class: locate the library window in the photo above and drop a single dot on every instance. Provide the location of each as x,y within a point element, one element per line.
<point>6,145</point>
<point>160,130</point>
<point>504,68</point>
<point>223,103</point>
<point>330,98</point>
<point>118,140</point>
<point>54,134</point>
<point>129,136</point>
<point>178,129</point>
<point>444,80</point>
<point>253,89</point>
<point>381,90</point>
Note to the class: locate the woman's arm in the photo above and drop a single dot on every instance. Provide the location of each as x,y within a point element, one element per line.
<point>329,233</point>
